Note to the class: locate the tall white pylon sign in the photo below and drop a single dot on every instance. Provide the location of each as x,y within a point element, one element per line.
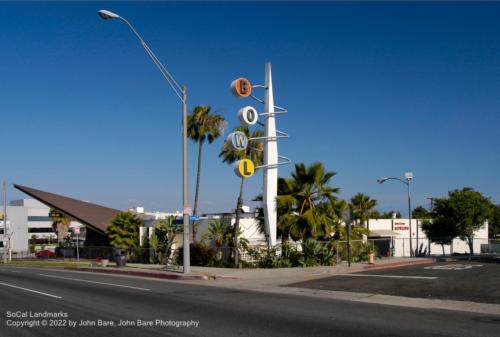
<point>248,116</point>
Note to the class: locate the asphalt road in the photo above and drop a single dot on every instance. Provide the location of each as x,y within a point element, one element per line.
<point>462,281</point>
<point>222,312</point>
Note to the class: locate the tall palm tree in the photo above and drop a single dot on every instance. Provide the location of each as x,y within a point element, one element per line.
<point>254,152</point>
<point>60,224</point>
<point>303,203</point>
<point>362,205</point>
<point>203,126</point>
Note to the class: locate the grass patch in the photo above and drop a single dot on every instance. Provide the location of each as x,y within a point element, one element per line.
<point>48,263</point>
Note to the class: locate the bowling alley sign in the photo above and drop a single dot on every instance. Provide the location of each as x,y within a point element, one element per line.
<point>247,116</point>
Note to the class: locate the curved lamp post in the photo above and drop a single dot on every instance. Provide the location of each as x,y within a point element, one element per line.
<point>181,93</point>
<point>407,182</point>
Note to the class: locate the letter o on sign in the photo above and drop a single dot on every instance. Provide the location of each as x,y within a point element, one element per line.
<point>248,116</point>
<point>244,168</point>
<point>241,87</point>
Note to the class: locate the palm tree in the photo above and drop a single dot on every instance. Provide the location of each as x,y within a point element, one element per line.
<point>304,203</point>
<point>362,205</point>
<point>202,126</point>
<point>60,224</point>
<point>218,232</point>
<point>313,192</point>
<point>254,152</point>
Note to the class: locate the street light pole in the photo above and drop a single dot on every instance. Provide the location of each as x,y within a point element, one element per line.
<point>409,215</point>
<point>407,182</point>
<point>185,191</point>
<point>181,93</point>
<point>5,243</point>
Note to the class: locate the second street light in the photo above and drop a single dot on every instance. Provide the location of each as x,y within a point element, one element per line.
<point>407,182</point>
<point>181,93</point>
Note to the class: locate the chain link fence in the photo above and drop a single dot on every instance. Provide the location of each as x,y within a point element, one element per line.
<point>287,254</point>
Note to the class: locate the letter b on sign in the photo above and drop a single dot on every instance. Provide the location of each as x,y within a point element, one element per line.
<point>241,87</point>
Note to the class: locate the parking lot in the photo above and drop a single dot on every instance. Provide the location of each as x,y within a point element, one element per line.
<point>463,281</point>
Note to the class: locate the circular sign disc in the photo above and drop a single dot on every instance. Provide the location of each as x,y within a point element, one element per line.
<point>244,168</point>
<point>241,87</point>
<point>237,140</point>
<point>248,116</point>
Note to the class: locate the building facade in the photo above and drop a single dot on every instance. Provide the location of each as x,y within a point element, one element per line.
<point>28,222</point>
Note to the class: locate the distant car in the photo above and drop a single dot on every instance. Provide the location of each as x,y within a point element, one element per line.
<point>45,254</point>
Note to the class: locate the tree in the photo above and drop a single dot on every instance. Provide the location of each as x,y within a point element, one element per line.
<point>202,126</point>
<point>420,213</point>
<point>388,215</point>
<point>494,226</point>
<point>307,203</point>
<point>361,205</point>
<point>60,224</point>
<point>218,232</point>
<point>254,152</point>
<point>469,211</point>
<point>375,215</point>
<point>123,231</point>
<point>440,229</point>
<point>163,238</point>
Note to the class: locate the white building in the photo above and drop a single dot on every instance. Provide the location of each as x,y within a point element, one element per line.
<point>25,219</point>
<point>397,230</point>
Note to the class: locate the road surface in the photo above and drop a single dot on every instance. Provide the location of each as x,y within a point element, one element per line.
<point>95,305</point>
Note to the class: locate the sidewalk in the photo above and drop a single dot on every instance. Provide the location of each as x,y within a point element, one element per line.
<point>268,277</point>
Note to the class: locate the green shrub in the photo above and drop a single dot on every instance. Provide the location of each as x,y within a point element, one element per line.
<point>201,254</point>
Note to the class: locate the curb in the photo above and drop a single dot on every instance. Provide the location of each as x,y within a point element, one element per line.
<point>143,274</point>
<point>398,264</point>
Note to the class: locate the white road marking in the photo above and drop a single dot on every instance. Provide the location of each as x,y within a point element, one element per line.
<point>389,276</point>
<point>30,290</point>
<point>454,266</point>
<point>88,281</point>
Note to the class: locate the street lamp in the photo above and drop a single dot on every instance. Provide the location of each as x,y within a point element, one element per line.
<point>407,182</point>
<point>181,93</point>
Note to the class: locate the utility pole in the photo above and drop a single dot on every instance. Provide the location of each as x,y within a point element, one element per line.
<point>5,235</point>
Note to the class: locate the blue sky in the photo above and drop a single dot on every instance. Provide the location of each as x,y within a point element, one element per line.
<point>372,89</point>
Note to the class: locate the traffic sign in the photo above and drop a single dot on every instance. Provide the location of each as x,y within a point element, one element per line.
<point>76,230</point>
<point>187,210</point>
<point>248,116</point>
<point>237,141</point>
<point>244,168</point>
<point>241,87</point>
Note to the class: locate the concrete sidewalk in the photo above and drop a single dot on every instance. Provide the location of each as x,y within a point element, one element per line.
<point>269,277</point>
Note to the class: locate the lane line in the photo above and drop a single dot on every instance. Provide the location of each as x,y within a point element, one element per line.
<point>389,276</point>
<point>30,290</point>
<point>88,281</point>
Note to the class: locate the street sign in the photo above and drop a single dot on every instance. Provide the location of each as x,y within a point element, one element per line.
<point>248,116</point>
<point>244,168</point>
<point>187,210</point>
<point>194,217</point>
<point>241,87</point>
<point>76,230</point>
<point>237,140</point>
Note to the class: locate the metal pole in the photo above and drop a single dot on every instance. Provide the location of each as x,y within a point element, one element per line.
<point>348,244</point>
<point>416,248</point>
<point>409,215</point>
<point>338,257</point>
<point>185,192</point>
<point>77,248</point>
<point>4,222</point>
